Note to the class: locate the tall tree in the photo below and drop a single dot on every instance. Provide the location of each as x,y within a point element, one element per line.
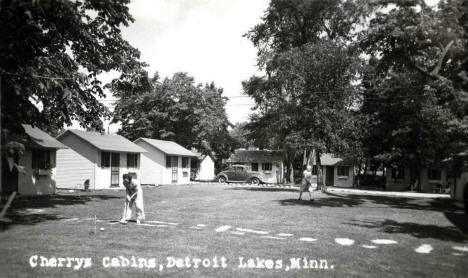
<point>306,50</point>
<point>416,96</point>
<point>52,54</point>
<point>240,134</point>
<point>174,109</point>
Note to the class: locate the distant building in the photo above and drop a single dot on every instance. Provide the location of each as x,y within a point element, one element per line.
<point>269,163</point>
<point>202,167</point>
<point>337,171</point>
<point>431,178</point>
<point>96,160</point>
<point>164,162</point>
<point>34,172</point>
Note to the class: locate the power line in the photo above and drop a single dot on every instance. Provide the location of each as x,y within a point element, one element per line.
<point>251,104</point>
<point>237,96</point>
<point>318,92</point>
<point>320,101</point>
<point>41,76</point>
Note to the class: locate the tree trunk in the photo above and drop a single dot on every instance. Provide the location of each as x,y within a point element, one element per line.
<point>291,172</point>
<point>419,179</point>
<point>320,181</point>
<point>312,158</point>
<point>360,166</point>
<point>384,174</point>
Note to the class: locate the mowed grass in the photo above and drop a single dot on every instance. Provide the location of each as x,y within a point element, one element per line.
<point>64,226</point>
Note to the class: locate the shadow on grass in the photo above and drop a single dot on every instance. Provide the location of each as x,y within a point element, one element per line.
<point>322,202</point>
<point>351,200</point>
<point>29,210</point>
<point>438,204</point>
<point>50,201</point>
<point>28,219</point>
<point>460,220</point>
<point>414,229</point>
<point>270,189</point>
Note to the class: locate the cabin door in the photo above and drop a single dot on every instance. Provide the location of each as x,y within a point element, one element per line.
<point>174,167</point>
<point>330,176</point>
<point>115,169</point>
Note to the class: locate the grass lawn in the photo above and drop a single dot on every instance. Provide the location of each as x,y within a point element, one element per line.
<point>208,220</point>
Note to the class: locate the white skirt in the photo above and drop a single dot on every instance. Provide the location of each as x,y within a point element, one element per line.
<point>135,208</point>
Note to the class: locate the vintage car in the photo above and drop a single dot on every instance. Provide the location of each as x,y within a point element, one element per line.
<point>239,173</point>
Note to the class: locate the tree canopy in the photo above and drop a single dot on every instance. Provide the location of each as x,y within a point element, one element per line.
<point>176,109</point>
<point>52,54</point>
<point>416,99</point>
<point>306,50</point>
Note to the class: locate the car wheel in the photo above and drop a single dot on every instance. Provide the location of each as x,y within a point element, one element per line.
<point>254,181</point>
<point>222,179</point>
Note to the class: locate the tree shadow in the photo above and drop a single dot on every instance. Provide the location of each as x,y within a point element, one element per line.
<point>445,233</point>
<point>460,220</point>
<point>30,210</point>
<point>28,219</point>
<point>51,201</point>
<point>351,200</point>
<point>267,189</point>
<point>322,202</point>
<point>438,204</point>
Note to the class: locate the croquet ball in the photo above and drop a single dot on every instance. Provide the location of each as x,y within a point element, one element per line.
<point>102,229</point>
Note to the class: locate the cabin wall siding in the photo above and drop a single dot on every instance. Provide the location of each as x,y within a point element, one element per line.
<point>73,170</point>
<point>152,164</point>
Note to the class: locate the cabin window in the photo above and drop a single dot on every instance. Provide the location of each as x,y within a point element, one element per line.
<point>343,171</point>
<point>255,167</point>
<point>266,166</point>
<point>115,159</point>
<point>398,173</point>
<point>434,174</point>
<point>168,161</point>
<point>132,160</point>
<point>105,159</point>
<point>40,159</point>
<point>185,162</point>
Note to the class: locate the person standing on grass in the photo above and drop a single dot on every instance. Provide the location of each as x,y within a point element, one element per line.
<point>133,200</point>
<point>306,182</point>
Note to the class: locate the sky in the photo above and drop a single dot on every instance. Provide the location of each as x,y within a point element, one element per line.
<point>201,37</point>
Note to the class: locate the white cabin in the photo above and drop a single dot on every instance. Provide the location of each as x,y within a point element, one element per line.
<point>96,160</point>
<point>34,172</point>
<point>164,162</point>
